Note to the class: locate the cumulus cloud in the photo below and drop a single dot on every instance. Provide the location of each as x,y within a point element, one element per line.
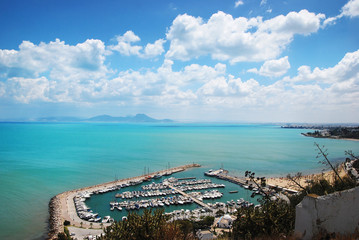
<point>273,68</point>
<point>55,58</point>
<point>154,49</point>
<point>237,39</point>
<point>28,89</point>
<point>350,9</point>
<point>51,71</point>
<point>238,2</point>
<point>125,46</point>
<point>347,70</point>
<point>201,86</point>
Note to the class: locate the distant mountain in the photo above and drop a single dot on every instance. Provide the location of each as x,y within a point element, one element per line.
<point>59,119</point>
<point>137,118</point>
<point>104,118</point>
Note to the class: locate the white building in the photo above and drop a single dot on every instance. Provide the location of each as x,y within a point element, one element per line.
<point>225,221</point>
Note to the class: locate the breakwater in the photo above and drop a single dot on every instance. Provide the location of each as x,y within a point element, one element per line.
<point>62,206</point>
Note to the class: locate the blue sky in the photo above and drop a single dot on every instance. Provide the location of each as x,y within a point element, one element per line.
<point>241,60</point>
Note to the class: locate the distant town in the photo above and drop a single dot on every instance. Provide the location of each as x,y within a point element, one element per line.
<point>349,131</point>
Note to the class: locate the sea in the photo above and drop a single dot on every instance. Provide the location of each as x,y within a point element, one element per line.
<point>40,160</point>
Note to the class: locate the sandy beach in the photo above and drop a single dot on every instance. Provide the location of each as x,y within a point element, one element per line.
<point>284,182</point>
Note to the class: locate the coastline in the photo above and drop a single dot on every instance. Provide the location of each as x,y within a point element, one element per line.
<point>284,182</point>
<point>331,137</point>
<point>62,207</point>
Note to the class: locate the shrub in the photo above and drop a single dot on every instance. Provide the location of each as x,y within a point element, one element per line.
<point>273,218</point>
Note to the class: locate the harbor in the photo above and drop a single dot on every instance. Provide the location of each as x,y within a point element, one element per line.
<point>70,205</point>
<point>181,197</point>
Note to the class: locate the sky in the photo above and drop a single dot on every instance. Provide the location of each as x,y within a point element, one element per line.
<point>203,60</point>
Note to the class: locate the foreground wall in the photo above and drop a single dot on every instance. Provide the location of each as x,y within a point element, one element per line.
<point>337,212</point>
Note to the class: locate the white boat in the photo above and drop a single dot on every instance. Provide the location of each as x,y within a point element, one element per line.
<point>106,219</point>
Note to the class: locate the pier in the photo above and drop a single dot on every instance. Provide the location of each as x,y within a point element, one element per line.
<point>62,206</point>
<point>193,198</point>
<point>243,182</point>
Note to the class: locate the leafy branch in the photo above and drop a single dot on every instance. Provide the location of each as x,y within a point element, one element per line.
<point>324,154</point>
<point>260,184</point>
<point>296,180</point>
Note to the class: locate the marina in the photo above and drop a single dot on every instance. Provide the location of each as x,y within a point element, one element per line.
<point>71,205</point>
<point>166,193</point>
<point>186,196</point>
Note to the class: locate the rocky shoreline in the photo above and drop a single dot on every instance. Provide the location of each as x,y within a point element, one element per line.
<point>55,221</point>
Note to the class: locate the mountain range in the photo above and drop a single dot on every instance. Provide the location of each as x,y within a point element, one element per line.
<point>138,118</point>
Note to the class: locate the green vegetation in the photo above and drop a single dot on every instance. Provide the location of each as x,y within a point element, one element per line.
<point>276,219</point>
<point>65,235</point>
<point>154,226</point>
<point>336,132</point>
<point>273,218</point>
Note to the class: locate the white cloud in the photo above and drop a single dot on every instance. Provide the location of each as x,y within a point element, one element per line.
<point>27,90</point>
<point>273,68</point>
<point>237,39</point>
<point>56,72</point>
<point>199,85</point>
<point>56,58</point>
<point>52,71</point>
<point>350,9</point>
<point>238,2</point>
<point>263,2</point>
<point>347,70</point>
<point>124,46</point>
<point>154,49</point>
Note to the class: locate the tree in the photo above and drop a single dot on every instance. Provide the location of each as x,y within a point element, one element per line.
<point>147,226</point>
<point>260,182</point>
<point>324,154</point>
<point>273,218</point>
<point>64,235</point>
<point>296,180</point>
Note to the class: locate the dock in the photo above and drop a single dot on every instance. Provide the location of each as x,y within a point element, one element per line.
<point>62,206</point>
<point>223,174</point>
<point>193,198</point>
<point>186,178</point>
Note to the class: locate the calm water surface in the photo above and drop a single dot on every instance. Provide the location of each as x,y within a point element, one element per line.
<point>40,160</point>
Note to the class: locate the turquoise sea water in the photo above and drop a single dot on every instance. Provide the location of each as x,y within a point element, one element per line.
<point>40,160</point>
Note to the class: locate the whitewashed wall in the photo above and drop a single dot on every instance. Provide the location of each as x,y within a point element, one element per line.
<point>337,212</point>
